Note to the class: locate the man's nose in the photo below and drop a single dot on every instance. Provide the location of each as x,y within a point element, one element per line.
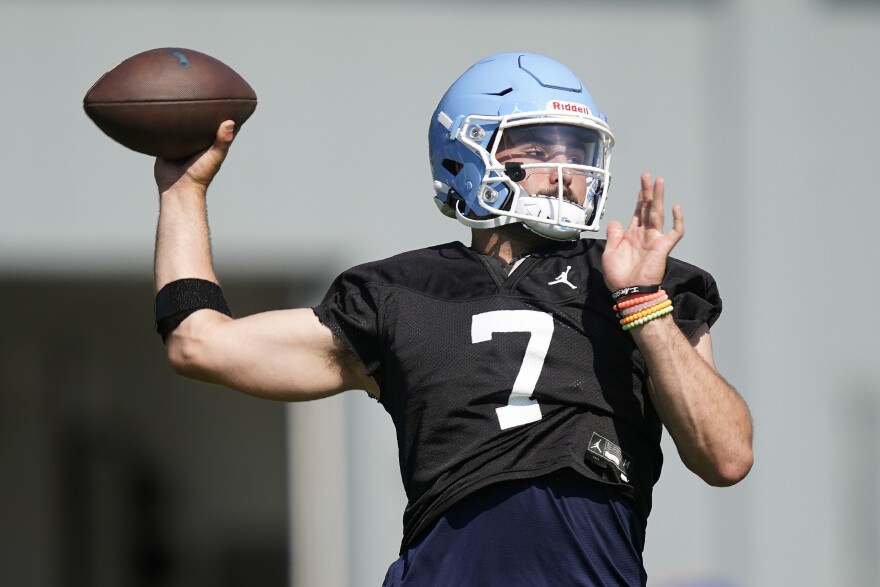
<point>554,170</point>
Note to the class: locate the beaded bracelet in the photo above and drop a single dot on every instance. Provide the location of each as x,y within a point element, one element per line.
<point>648,318</point>
<point>653,309</point>
<point>630,311</point>
<point>639,300</point>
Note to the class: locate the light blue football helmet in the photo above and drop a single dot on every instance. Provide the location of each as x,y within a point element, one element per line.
<point>517,94</point>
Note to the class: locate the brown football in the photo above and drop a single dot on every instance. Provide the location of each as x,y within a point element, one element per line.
<point>168,102</point>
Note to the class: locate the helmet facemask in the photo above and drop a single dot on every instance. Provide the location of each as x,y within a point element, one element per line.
<point>568,156</point>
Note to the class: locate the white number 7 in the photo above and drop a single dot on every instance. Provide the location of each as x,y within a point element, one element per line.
<point>521,408</point>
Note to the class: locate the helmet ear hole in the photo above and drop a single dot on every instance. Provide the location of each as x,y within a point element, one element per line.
<point>451,166</point>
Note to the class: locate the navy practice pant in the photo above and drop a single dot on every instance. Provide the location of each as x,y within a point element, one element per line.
<point>547,531</point>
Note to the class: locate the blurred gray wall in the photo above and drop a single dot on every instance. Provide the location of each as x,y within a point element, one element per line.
<point>762,117</point>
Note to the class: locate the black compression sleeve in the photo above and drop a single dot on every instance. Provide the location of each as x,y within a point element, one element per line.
<point>180,298</point>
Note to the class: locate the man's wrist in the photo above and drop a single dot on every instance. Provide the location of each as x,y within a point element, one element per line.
<point>189,190</point>
<point>655,331</point>
<point>640,304</point>
<point>630,291</point>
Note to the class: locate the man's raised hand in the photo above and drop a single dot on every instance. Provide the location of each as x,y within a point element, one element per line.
<point>637,255</point>
<point>198,170</point>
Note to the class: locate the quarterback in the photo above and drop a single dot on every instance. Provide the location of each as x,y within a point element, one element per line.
<point>529,375</point>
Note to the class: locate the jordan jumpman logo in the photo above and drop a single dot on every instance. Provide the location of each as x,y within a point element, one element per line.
<point>563,278</point>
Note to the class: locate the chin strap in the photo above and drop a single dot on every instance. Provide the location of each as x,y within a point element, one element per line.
<point>448,202</point>
<point>493,222</point>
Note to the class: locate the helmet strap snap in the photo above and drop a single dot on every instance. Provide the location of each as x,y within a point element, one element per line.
<point>515,171</point>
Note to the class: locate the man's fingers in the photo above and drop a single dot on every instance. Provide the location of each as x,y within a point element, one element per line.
<point>643,206</point>
<point>613,235</point>
<point>656,214</point>
<point>223,139</point>
<point>199,169</point>
<point>677,223</point>
<point>203,169</point>
<point>225,134</point>
<point>649,213</point>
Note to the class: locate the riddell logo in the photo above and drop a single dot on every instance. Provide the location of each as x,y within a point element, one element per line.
<point>568,107</point>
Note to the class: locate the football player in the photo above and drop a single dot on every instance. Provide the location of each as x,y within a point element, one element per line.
<point>528,375</point>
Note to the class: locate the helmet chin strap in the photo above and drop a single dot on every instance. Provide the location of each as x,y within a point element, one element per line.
<point>493,222</point>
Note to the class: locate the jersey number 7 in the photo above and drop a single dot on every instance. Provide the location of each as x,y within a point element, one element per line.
<point>521,408</point>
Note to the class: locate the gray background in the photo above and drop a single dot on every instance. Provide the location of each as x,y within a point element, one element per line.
<point>761,116</point>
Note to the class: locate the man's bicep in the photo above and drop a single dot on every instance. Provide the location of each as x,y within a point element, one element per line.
<point>284,355</point>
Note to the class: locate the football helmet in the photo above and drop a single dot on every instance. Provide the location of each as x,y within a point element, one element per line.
<point>506,118</point>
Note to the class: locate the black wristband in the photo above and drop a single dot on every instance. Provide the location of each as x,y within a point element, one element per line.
<point>180,298</point>
<point>636,289</point>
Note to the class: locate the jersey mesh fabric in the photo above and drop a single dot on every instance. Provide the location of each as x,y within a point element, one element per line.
<point>413,321</point>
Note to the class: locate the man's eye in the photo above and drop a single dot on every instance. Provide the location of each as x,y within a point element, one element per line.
<point>534,154</point>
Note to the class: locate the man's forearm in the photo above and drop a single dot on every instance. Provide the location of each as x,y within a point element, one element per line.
<point>183,243</point>
<point>706,417</point>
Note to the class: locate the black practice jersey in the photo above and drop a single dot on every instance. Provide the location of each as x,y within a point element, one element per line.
<point>491,377</point>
